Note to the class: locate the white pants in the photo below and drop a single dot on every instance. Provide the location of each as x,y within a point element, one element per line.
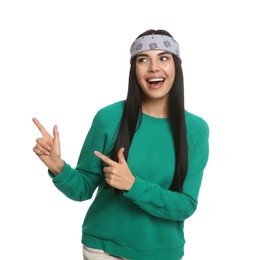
<point>96,254</point>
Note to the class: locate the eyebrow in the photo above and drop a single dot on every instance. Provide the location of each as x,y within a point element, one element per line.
<point>160,54</point>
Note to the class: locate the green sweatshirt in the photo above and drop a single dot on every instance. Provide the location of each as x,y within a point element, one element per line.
<point>147,222</point>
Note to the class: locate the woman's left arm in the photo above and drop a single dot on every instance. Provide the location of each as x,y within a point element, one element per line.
<point>172,205</point>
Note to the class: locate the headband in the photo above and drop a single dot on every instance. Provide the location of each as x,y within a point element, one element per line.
<point>155,42</point>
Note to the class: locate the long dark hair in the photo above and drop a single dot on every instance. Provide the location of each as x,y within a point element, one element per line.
<point>176,111</point>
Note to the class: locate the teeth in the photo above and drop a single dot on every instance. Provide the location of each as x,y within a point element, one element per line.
<point>155,80</point>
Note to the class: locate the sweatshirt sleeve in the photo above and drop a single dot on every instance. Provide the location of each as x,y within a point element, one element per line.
<point>80,182</point>
<point>171,205</point>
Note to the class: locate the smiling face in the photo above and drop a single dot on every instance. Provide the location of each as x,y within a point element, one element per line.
<point>155,72</point>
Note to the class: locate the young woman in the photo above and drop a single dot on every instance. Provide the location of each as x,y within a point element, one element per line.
<point>146,155</point>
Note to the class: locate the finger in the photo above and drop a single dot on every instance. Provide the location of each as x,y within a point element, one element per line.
<point>56,135</point>
<point>120,155</point>
<point>41,149</point>
<point>41,128</point>
<point>39,152</point>
<point>107,179</point>
<point>43,142</point>
<point>104,158</point>
<point>106,170</point>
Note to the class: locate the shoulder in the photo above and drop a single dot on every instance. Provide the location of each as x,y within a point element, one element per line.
<point>195,121</point>
<point>110,113</point>
<point>196,126</point>
<point>113,110</point>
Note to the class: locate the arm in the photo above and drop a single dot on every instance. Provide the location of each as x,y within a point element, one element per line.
<point>76,183</point>
<point>167,204</point>
<point>156,201</point>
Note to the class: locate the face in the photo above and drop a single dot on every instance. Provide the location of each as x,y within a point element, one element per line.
<point>155,72</point>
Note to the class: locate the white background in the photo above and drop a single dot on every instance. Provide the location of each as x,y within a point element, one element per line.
<point>61,61</point>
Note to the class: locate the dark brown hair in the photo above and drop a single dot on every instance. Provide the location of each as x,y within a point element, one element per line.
<point>176,112</point>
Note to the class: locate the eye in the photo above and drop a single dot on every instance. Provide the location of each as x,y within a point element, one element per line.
<point>164,58</point>
<point>142,59</point>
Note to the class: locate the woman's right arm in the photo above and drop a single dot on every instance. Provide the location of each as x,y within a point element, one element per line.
<point>80,182</point>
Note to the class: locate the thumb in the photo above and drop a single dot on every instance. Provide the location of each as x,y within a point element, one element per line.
<point>120,155</point>
<point>56,135</point>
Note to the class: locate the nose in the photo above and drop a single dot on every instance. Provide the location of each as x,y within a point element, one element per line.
<point>153,66</point>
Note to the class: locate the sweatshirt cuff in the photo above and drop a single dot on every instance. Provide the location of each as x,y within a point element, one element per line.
<point>62,176</point>
<point>136,190</point>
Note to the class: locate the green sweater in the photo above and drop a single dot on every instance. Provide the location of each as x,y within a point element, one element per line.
<point>146,222</point>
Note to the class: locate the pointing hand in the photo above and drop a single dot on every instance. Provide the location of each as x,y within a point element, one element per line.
<point>117,174</point>
<point>47,148</point>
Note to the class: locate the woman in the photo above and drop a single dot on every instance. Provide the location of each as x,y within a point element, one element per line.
<point>146,155</point>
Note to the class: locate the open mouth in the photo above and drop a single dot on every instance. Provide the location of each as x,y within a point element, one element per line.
<point>156,82</point>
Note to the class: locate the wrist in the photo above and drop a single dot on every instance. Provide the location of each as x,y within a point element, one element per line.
<point>57,167</point>
<point>131,184</point>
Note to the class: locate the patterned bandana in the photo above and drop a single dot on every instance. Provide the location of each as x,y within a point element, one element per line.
<point>155,42</point>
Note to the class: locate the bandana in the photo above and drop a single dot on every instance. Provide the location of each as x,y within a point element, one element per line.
<point>155,42</point>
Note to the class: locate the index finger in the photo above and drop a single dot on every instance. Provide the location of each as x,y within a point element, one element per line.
<point>104,158</point>
<point>41,128</point>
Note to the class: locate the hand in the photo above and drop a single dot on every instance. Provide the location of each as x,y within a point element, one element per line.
<point>47,148</point>
<point>117,174</point>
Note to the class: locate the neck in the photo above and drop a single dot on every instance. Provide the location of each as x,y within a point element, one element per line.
<point>155,108</point>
